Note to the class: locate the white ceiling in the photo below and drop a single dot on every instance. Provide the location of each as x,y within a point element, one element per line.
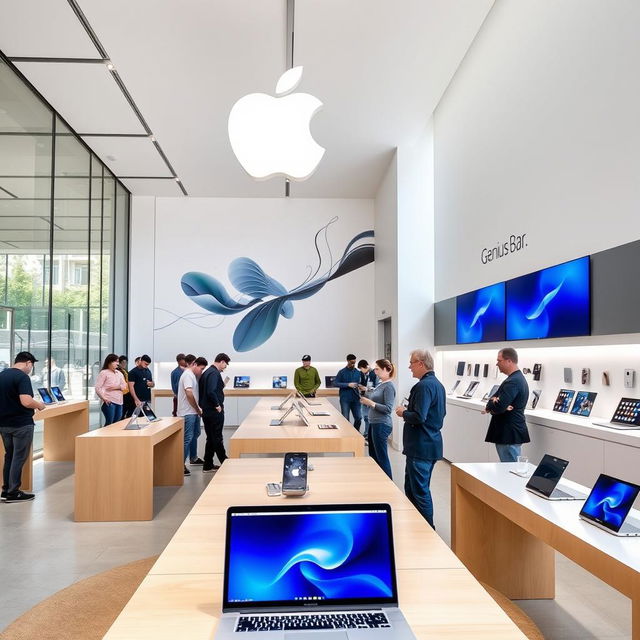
<point>379,67</point>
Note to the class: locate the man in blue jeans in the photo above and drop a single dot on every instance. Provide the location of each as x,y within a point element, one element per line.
<point>508,427</point>
<point>348,381</point>
<point>188,403</point>
<point>16,424</point>
<point>421,438</point>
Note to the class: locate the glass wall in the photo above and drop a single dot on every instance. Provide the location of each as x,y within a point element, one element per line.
<point>64,227</point>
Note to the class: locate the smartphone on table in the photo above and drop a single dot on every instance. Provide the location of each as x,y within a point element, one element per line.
<point>294,474</point>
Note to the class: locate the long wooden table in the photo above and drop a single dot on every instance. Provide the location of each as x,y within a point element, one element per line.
<point>182,594</point>
<point>255,435</point>
<point>62,423</point>
<point>506,536</point>
<point>116,470</point>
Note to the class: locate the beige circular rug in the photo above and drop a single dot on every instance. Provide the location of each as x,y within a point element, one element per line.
<point>83,611</point>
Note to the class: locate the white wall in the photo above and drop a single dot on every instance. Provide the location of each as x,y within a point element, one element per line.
<point>206,234</point>
<point>405,259</point>
<point>538,134</point>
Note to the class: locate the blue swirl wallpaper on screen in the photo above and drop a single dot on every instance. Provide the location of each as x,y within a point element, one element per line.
<point>610,501</point>
<point>309,556</point>
<point>551,303</point>
<point>480,315</point>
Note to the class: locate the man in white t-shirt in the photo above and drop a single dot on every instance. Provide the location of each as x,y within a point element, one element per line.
<point>188,407</point>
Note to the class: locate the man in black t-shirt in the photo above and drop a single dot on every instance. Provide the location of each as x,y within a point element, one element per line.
<point>141,381</point>
<point>16,424</point>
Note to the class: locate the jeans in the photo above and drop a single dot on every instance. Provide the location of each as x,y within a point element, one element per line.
<point>508,452</point>
<point>112,412</point>
<point>365,418</point>
<point>353,405</point>
<point>191,423</point>
<point>417,477</point>
<point>193,447</point>
<point>378,435</point>
<point>17,445</point>
<point>213,424</point>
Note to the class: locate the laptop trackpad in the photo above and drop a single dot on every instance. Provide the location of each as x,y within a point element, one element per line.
<point>325,635</point>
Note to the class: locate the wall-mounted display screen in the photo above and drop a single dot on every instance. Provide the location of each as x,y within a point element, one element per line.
<point>551,303</point>
<point>480,315</point>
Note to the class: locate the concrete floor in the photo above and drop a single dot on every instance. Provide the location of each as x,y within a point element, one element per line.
<point>43,550</point>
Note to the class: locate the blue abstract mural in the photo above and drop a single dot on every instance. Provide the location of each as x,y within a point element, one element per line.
<point>266,299</point>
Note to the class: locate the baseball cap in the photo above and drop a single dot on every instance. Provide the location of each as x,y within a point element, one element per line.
<point>306,357</point>
<point>24,356</point>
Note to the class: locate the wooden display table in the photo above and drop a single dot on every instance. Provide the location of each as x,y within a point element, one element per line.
<point>183,590</point>
<point>62,423</point>
<point>506,536</point>
<point>255,435</point>
<point>116,470</point>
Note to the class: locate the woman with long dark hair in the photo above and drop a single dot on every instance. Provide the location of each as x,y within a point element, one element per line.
<point>380,402</point>
<point>110,385</point>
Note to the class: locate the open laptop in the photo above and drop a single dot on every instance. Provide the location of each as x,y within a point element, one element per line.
<point>545,479</point>
<point>328,381</point>
<point>608,506</point>
<point>471,389</point>
<point>294,406</point>
<point>296,570</point>
<point>56,392</point>
<point>134,423</point>
<point>626,416</point>
<point>47,397</point>
<point>280,407</point>
<point>307,400</point>
<point>313,412</point>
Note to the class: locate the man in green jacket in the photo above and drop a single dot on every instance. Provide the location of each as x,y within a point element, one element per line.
<point>306,379</point>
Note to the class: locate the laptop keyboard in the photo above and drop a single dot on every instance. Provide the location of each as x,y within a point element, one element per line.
<point>313,621</point>
<point>563,494</point>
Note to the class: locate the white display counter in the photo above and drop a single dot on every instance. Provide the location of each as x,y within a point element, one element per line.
<point>590,449</point>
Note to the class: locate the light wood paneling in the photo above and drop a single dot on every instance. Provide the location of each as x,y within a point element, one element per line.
<point>116,470</point>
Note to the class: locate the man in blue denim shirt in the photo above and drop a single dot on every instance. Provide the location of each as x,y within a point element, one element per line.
<point>421,437</point>
<point>348,381</point>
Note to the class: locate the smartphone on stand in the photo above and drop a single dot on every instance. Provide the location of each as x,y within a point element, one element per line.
<point>294,474</point>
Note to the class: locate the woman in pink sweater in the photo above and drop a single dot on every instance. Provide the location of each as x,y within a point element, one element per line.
<point>109,387</point>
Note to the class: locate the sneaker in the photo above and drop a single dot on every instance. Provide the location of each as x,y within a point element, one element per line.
<point>19,496</point>
<point>197,461</point>
<point>186,471</point>
<point>3,495</point>
<point>215,467</point>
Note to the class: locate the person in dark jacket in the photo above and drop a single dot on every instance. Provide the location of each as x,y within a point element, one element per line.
<point>348,381</point>
<point>508,427</point>
<point>421,438</point>
<point>211,401</point>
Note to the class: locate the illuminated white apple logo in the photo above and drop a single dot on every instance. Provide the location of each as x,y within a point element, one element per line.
<point>271,136</point>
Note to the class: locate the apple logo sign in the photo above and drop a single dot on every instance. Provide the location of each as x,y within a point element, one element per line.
<point>271,136</point>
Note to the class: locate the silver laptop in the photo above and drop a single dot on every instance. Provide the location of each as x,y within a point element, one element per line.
<point>471,389</point>
<point>608,506</point>
<point>307,400</point>
<point>545,479</point>
<point>626,416</point>
<point>311,412</point>
<point>296,570</point>
<point>295,406</point>
<point>281,406</point>
<point>137,421</point>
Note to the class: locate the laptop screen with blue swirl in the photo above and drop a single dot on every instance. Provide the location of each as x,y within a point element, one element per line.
<point>609,502</point>
<point>480,315</point>
<point>551,303</point>
<point>306,556</point>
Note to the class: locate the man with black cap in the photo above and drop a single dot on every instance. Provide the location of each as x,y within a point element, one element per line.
<point>141,381</point>
<point>17,406</point>
<point>306,379</point>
